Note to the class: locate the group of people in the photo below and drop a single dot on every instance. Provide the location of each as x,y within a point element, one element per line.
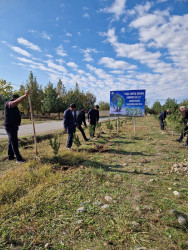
<point>184,113</point>
<point>72,119</point>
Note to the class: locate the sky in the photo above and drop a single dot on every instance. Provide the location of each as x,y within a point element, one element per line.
<point>103,45</point>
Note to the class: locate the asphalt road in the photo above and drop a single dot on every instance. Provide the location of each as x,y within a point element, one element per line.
<point>40,128</point>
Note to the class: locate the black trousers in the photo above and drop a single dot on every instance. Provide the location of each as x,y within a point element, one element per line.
<point>93,123</point>
<point>13,150</point>
<point>82,131</point>
<point>162,124</point>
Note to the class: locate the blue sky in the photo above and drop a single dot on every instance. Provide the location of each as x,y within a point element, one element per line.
<point>103,45</point>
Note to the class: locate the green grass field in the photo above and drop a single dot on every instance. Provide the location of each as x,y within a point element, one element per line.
<point>113,192</point>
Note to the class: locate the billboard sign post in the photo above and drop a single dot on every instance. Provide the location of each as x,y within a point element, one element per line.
<point>128,103</point>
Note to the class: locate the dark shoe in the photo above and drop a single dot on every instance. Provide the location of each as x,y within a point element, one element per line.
<point>179,140</point>
<point>87,139</point>
<point>11,158</point>
<point>20,161</point>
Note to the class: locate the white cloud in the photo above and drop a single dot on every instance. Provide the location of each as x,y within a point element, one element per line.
<point>117,8</point>
<point>86,15</point>
<point>60,51</point>
<point>28,44</point>
<point>57,67</point>
<point>112,64</point>
<point>60,61</point>
<point>68,34</point>
<point>72,65</point>
<point>147,21</point>
<point>87,52</point>
<point>135,51</point>
<point>45,36</point>
<point>140,9</point>
<point>20,51</point>
<point>48,55</point>
<point>118,72</point>
<point>99,72</point>
<point>81,72</point>
<point>122,30</point>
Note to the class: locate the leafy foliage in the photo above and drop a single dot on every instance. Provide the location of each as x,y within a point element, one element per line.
<point>171,104</point>
<point>104,105</point>
<point>6,91</point>
<point>157,108</point>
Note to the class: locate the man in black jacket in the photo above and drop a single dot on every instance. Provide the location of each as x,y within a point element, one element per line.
<point>70,123</point>
<point>184,113</point>
<point>93,116</point>
<point>11,122</point>
<point>81,118</point>
<point>162,117</point>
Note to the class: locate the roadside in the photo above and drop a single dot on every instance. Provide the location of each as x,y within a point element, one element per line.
<point>40,128</point>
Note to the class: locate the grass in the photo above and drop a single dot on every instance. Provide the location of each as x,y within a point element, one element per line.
<point>39,200</point>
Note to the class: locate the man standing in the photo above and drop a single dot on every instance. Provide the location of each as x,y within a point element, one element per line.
<point>11,122</point>
<point>162,117</point>
<point>81,118</point>
<point>70,123</point>
<point>93,117</point>
<point>184,113</point>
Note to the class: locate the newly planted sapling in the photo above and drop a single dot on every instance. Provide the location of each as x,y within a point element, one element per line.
<point>76,140</point>
<point>99,126</point>
<point>109,126</point>
<point>55,145</point>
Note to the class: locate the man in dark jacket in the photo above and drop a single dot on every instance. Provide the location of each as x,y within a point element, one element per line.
<point>93,116</point>
<point>70,123</point>
<point>184,113</point>
<point>81,118</point>
<point>11,122</point>
<point>162,117</point>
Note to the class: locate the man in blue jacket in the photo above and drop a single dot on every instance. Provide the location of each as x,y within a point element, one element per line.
<point>162,117</point>
<point>70,123</point>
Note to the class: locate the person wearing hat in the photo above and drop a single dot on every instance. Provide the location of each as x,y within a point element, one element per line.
<point>70,123</point>
<point>184,113</point>
<point>93,116</point>
<point>12,122</point>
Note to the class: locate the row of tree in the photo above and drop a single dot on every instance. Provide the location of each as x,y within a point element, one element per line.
<point>170,104</point>
<point>50,100</point>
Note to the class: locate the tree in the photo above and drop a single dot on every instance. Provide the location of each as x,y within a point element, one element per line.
<point>6,91</point>
<point>36,93</point>
<point>104,105</point>
<point>88,101</point>
<point>82,100</point>
<point>157,108</point>
<point>52,103</point>
<point>170,104</point>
